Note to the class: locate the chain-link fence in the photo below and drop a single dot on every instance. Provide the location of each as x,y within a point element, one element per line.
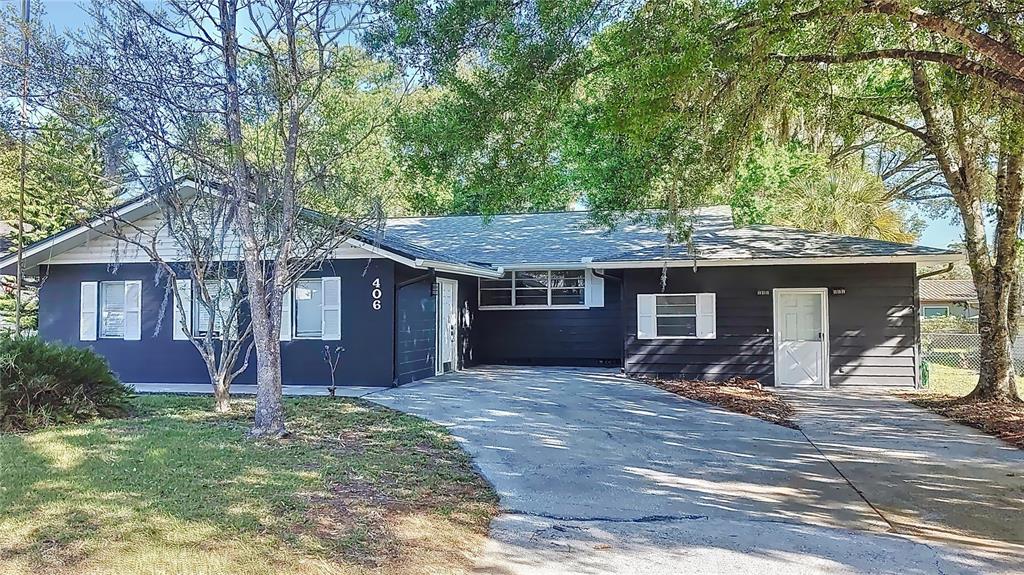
<point>951,360</point>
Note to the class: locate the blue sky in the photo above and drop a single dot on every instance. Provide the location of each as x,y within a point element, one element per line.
<point>64,14</point>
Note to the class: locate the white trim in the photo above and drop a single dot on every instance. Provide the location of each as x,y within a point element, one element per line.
<point>701,263</point>
<point>183,292</point>
<point>697,305</point>
<point>133,310</point>
<point>825,353</point>
<point>285,333</point>
<point>420,263</point>
<point>88,314</point>
<point>439,310</point>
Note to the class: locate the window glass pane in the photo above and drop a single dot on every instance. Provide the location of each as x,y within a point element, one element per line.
<point>531,296</point>
<point>531,279</point>
<point>309,300</point>
<point>495,297</point>
<point>936,311</point>
<point>568,278</point>
<point>112,304</point>
<point>677,326</point>
<point>566,296</point>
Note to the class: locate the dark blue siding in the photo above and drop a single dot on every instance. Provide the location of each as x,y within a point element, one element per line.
<point>416,327</point>
<point>570,337</point>
<point>872,328</point>
<point>367,334</point>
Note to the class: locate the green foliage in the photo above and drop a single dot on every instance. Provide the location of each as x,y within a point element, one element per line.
<point>45,383</point>
<point>949,324</point>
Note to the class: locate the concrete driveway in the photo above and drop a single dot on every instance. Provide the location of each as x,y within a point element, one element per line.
<point>599,474</point>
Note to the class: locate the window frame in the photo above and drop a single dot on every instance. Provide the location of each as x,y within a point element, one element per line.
<point>295,310</point>
<point>696,313</point>
<point>583,287</point>
<point>935,306</point>
<point>101,305</point>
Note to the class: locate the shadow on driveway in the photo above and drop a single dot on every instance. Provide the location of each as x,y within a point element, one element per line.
<point>600,474</point>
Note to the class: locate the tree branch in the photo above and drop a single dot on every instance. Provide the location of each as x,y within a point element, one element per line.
<point>1002,80</point>
<point>1008,59</point>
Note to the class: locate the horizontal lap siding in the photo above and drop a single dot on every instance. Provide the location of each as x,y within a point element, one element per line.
<point>872,328</point>
<point>416,327</point>
<point>570,337</point>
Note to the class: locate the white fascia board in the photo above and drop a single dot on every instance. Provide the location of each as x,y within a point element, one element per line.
<point>420,263</point>
<point>901,259</point>
<point>69,237</point>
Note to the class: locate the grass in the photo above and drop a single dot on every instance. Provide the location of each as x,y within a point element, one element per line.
<point>946,380</point>
<point>177,489</point>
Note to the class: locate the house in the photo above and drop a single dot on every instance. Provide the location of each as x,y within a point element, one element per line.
<point>435,294</point>
<point>949,298</point>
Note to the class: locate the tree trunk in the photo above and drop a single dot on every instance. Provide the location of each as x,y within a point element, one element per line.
<point>996,377</point>
<point>269,420</point>
<point>221,393</point>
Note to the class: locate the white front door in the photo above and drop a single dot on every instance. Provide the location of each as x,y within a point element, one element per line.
<point>447,325</point>
<point>801,320</point>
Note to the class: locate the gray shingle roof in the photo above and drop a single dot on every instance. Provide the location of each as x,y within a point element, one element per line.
<point>7,239</point>
<point>569,237</point>
<point>948,290</point>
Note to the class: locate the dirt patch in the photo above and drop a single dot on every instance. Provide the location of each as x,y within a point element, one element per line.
<point>746,396</point>
<point>1004,420</point>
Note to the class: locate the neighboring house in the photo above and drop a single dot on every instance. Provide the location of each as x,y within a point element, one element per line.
<point>431,295</point>
<point>948,298</point>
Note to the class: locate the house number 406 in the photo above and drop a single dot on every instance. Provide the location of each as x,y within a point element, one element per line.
<point>376,293</point>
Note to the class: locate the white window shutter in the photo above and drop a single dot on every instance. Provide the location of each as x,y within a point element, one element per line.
<point>182,291</point>
<point>133,310</point>
<point>88,313</point>
<point>706,320</point>
<point>331,309</point>
<point>594,293</point>
<point>286,315</point>
<point>646,326</point>
<point>227,300</point>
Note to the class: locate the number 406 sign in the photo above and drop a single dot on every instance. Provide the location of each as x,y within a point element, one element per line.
<point>376,294</point>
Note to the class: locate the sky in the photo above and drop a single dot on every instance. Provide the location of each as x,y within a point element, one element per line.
<point>68,14</point>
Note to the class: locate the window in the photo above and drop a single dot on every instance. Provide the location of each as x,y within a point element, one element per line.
<point>309,302</point>
<point>935,311</point>
<point>202,314</point>
<point>112,300</point>
<point>676,316</point>
<point>535,288</point>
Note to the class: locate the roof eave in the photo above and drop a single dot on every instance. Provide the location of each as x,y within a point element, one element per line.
<point>820,260</point>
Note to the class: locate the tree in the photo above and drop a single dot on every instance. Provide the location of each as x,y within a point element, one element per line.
<point>653,104</point>
<point>225,94</point>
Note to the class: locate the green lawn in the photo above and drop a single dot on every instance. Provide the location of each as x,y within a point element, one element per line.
<point>947,380</point>
<point>176,489</point>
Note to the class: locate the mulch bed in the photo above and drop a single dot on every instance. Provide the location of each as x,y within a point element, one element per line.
<point>1004,420</point>
<point>745,396</point>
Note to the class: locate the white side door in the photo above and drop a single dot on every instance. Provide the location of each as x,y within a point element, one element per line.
<point>447,325</point>
<point>801,338</point>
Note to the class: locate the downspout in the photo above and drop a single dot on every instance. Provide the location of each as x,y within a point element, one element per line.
<point>622,289</point>
<point>394,328</point>
<point>945,270</point>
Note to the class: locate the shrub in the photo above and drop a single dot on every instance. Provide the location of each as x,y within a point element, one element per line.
<point>45,383</point>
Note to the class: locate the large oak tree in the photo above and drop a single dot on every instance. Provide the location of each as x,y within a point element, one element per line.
<point>650,104</point>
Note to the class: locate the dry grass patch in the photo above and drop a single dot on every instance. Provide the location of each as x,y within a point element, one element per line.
<point>746,396</point>
<point>177,489</point>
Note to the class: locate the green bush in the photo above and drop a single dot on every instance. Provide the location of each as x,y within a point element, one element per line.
<point>45,383</point>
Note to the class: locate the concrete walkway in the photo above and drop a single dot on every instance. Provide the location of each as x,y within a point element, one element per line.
<point>924,473</point>
<point>599,474</point>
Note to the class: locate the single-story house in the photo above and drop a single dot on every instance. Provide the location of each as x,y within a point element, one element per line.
<point>433,294</point>
<point>949,298</point>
